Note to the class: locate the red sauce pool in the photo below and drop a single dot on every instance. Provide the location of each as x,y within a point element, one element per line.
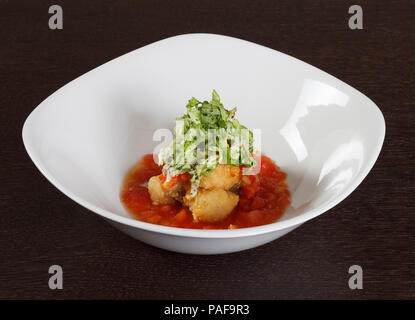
<point>267,206</point>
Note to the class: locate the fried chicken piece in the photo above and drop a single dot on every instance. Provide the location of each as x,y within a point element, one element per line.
<point>223,177</point>
<point>161,195</point>
<point>157,193</point>
<point>216,198</point>
<point>211,205</point>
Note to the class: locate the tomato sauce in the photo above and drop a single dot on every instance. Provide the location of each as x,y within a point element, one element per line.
<point>262,199</point>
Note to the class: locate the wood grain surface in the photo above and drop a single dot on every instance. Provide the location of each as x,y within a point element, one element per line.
<point>374,227</point>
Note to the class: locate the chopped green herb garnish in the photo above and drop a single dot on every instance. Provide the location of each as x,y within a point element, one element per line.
<point>207,135</point>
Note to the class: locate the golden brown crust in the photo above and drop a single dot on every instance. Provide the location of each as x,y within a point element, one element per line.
<point>211,205</point>
<point>223,177</point>
<point>157,193</point>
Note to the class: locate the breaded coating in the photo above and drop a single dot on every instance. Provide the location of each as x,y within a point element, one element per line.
<point>223,177</point>
<point>157,193</point>
<point>217,195</point>
<point>211,205</point>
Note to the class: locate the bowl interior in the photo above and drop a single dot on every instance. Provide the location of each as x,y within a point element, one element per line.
<point>323,133</point>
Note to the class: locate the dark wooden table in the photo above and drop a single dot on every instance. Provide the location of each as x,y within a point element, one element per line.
<point>373,228</point>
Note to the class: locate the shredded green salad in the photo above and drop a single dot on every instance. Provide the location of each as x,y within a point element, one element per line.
<point>207,135</point>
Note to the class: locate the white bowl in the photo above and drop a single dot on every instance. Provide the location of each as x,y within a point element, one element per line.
<point>322,132</point>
